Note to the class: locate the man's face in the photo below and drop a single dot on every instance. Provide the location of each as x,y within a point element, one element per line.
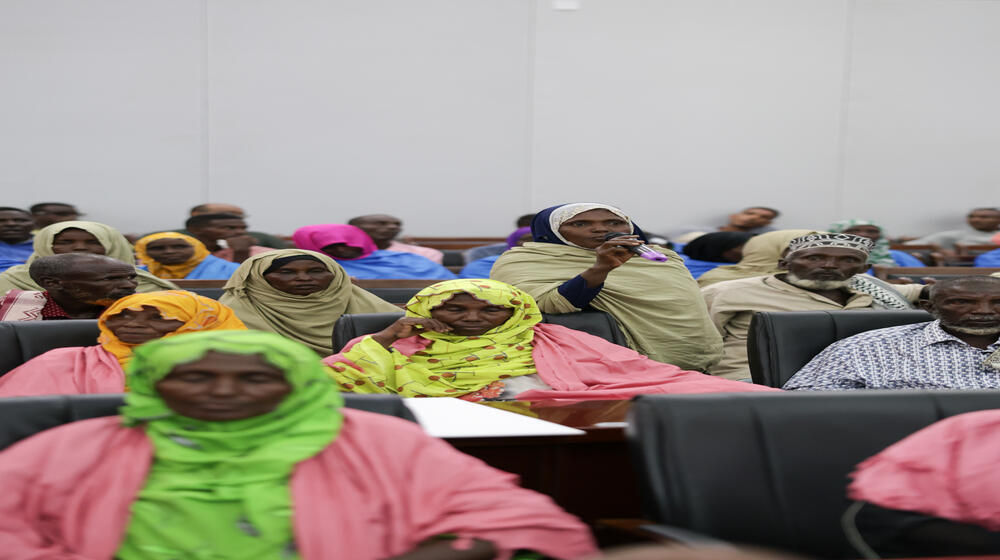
<point>54,213</point>
<point>824,264</point>
<point>968,307</point>
<point>15,227</point>
<point>220,229</point>
<point>752,218</point>
<point>379,226</point>
<point>984,220</point>
<point>98,282</point>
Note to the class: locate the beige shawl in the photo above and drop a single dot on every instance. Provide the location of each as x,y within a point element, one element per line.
<point>115,246</point>
<point>760,257</point>
<point>308,319</point>
<point>656,304</point>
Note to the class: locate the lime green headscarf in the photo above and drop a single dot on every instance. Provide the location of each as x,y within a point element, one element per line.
<point>219,490</point>
<point>452,365</point>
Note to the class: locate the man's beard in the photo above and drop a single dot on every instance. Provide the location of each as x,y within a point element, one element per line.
<point>976,331</point>
<point>821,285</point>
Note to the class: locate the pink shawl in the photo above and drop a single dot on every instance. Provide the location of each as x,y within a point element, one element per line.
<point>314,238</point>
<point>581,366</point>
<point>65,371</point>
<point>948,469</point>
<point>381,488</point>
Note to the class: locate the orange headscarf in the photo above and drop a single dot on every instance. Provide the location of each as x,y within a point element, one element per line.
<point>198,313</point>
<point>161,270</point>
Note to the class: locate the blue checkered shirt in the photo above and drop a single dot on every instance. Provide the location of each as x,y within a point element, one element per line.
<point>918,356</point>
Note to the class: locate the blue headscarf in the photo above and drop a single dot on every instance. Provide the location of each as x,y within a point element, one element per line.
<point>544,229</point>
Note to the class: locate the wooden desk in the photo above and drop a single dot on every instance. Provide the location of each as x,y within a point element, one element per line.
<point>591,475</point>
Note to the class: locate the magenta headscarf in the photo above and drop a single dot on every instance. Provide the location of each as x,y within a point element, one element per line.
<point>314,238</point>
<point>518,234</point>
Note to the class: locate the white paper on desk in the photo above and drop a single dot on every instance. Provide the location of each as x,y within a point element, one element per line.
<point>446,417</point>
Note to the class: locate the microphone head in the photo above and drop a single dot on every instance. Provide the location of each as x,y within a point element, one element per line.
<point>614,234</point>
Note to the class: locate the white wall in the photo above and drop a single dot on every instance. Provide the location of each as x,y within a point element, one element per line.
<point>459,115</point>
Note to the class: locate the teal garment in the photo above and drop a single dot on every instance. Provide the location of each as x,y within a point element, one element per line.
<point>219,490</point>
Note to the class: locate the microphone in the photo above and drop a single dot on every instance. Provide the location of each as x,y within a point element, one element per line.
<point>644,251</point>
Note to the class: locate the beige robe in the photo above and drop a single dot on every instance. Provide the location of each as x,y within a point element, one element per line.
<point>732,303</point>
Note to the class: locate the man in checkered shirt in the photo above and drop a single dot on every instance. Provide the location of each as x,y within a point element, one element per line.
<point>959,350</point>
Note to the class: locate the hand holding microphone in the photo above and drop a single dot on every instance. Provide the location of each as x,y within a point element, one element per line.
<point>643,250</point>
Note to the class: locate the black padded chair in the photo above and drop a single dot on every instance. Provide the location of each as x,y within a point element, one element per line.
<point>22,340</point>
<point>21,417</point>
<point>771,469</point>
<point>597,323</point>
<point>394,295</point>
<point>214,293</point>
<point>453,257</point>
<point>781,343</point>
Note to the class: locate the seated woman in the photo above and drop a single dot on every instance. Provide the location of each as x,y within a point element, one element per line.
<point>482,339</point>
<point>297,294</point>
<point>360,258</point>
<point>129,322</point>
<point>881,254</point>
<point>80,237</point>
<point>934,493</point>
<point>174,255</point>
<point>481,268</point>
<point>235,445</point>
<point>570,266</point>
<point>711,250</point>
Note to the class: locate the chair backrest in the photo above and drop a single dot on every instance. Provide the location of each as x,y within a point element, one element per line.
<point>597,323</point>
<point>21,417</point>
<point>781,343</point>
<point>771,469</point>
<point>188,284</point>
<point>214,293</point>
<point>936,272</point>
<point>394,295</point>
<point>21,341</point>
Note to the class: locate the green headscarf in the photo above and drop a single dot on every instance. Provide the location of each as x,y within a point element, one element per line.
<point>115,246</point>
<point>219,490</point>
<point>880,252</point>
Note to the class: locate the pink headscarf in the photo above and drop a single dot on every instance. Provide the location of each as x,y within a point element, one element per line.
<point>314,238</point>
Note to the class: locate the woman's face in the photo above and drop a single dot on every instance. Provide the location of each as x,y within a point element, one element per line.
<point>170,250</point>
<point>587,229</point>
<point>73,240</point>
<point>871,232</point>
<point>342,251</point>
<point>135,327</point>
<point>468,316</point>
<point>220,387</point>
<point>301,278</point>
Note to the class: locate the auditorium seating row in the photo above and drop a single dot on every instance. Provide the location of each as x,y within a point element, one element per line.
<point>767,469</point>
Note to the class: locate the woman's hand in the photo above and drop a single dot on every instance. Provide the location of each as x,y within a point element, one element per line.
<point>610,255</point>
<point>406,327</point>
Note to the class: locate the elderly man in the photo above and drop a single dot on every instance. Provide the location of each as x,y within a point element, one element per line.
<point>263,239</point>
<point>817,270</point>
<point>15,237</point>
<point>383,230</point>
<point>48,213</point>
<point>958,350</point>
<point>225,236</point>
<point>76,286</point>
<point>984,223</point>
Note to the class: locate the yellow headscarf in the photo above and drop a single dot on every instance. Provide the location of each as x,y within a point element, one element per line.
<point>198,313</point>
<point>161,270</point>
<point>452,365</point>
